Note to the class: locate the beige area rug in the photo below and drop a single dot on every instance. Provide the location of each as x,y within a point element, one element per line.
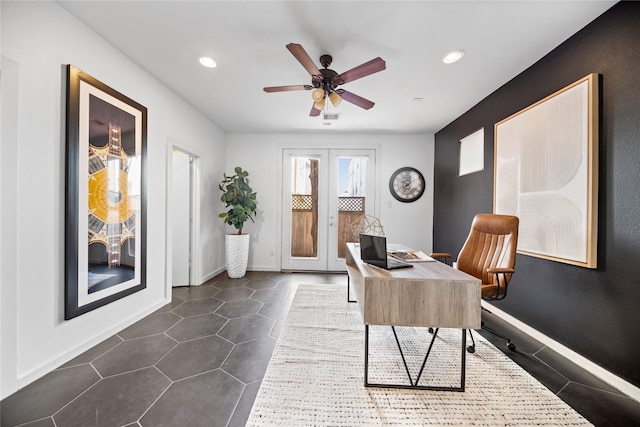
<point>316,376</point>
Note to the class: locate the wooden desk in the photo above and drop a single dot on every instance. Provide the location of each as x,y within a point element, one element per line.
<point>431,294</point>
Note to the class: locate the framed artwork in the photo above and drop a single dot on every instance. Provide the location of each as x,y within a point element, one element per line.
<point>105,250</point>
<point>471,153</point>
<point>546,173</point>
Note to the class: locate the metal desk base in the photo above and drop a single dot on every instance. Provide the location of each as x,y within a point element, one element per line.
<point>414,384</point>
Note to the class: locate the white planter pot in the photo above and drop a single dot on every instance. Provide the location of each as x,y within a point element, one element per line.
<point>236,254</point>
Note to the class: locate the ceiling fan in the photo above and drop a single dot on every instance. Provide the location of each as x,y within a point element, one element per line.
<point>325,82</point>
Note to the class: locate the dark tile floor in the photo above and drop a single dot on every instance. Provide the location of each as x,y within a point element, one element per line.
<point>199,361</point>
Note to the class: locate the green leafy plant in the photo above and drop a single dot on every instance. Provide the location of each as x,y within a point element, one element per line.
<point>239,197</point>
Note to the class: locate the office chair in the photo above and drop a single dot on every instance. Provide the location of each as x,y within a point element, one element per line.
<point>489,253</point>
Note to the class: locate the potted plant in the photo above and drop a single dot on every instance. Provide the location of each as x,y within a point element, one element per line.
<point>240,199</point>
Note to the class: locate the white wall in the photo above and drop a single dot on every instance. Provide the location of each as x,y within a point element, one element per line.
<point>40,37</point>
<point>260,155</point>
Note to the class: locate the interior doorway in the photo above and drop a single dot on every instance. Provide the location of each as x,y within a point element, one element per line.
<point>181,207</point>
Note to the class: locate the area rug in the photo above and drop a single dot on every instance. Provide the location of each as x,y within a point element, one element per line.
<point>316,375</point>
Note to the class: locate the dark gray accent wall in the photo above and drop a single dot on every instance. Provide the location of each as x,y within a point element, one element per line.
<point>595,312</point>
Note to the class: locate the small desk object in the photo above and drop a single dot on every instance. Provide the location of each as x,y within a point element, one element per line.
<point>432,294</point>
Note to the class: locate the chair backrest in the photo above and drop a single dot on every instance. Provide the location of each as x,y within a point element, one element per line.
<point>492,242</point>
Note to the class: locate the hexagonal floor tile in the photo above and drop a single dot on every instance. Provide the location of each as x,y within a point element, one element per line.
<point>246,328</point>
<point>45,422</point>
<point>154,323</point>
<point>233,309</point>
<point>189,293</point>
<point>133,354</point>
<point>243,410</point>
<point>234,294</point>
<point>283,290</point>
<point>198,306</point>
<point>205,400</point>
<point>117,400</point>
<point>196,327</point>
<point>195,357</point>
<point>276,309</point>
<point>94,352</point>
<point>230,283</point>
<point>258,284</point>
<point>175,302</point>
<point>248,361</point>
<point>47,395</point>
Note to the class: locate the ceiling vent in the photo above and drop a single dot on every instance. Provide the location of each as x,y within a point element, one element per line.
<point>332,116</point>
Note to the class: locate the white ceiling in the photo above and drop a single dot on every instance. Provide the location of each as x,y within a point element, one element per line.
<point>247,39</point>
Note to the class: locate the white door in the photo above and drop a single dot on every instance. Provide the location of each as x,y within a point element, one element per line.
<point>181,219</point>
<point>324,192</point>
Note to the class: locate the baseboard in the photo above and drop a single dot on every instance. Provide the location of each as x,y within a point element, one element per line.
<point>265,268</point>
<point>211,275</point>
<point>606,376</point>
<point>47,367</point>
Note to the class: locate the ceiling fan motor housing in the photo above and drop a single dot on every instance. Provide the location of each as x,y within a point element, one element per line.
<point>330,80</point>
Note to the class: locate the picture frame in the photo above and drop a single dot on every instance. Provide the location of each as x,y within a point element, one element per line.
<point>546,173</point>
<point>105,199</point>
<point>471,157</point>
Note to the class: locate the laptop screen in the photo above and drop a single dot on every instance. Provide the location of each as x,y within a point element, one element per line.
<point>373,250</point>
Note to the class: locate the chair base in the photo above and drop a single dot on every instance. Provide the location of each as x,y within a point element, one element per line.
<point>472,348</point>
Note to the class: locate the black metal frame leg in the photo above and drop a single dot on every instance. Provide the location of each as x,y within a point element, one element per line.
<point>413,384</point>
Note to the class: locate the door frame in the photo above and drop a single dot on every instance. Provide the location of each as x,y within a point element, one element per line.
<point>194,271</point>
<point>376,190</point>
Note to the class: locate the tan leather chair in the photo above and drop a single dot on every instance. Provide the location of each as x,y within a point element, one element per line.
<point>489,253</point>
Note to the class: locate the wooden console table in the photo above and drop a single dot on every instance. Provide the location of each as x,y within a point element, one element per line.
<point>431,294</point>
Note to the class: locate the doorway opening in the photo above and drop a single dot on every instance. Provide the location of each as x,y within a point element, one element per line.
<point>181,206</point>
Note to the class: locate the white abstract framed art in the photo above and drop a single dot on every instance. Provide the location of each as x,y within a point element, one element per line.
<point>472,153</point>
<point>546,173</point>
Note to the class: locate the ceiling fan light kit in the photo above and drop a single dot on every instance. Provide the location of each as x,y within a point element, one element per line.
<point>325,82</point>
<point>317,95</point>
<point>335,99</point>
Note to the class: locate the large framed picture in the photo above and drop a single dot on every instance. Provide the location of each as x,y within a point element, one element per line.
<point>105,256</point>
<point>546,173</point>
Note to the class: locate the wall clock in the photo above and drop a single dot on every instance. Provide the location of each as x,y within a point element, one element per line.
<point>406,184</point>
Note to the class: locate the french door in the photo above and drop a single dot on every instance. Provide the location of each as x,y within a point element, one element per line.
<point>325,191</point>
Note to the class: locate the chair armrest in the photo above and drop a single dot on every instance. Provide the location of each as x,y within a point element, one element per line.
<point>503,276</point>
<point>440,255</point>
<point>500,270</point>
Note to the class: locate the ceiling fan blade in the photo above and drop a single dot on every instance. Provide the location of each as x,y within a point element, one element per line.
<point>363,70</point>
<point>355,99</point>
<point>287,88</point>
<point>314,111</point>
<point>304,59</point>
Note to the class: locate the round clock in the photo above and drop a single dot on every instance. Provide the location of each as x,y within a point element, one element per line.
<point>406,184</point>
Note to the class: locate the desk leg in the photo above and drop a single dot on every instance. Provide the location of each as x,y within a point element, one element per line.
<point>464,358</point>
<point>414,384</point>
<point>366,355</point>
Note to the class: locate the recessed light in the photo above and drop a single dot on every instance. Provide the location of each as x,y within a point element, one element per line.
<point>208,62</point>
<point>453,56</point>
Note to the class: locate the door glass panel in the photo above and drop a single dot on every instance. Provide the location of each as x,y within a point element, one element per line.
<point>304,207</point>
<point>351,191</point>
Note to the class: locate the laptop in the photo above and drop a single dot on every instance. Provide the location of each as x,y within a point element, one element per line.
<point>373,251</point>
